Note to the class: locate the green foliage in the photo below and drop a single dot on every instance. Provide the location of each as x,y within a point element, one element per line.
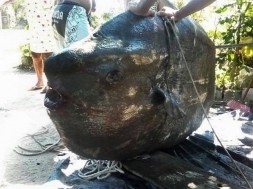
<point>236,19</point>
<point>99,19</point>
<point>26,59</point>
<point>247,51</point>
<point>26,55</point>
<point>17,4</point>
<point>25,50</point>
<point>19,13</point>
<point>180,3</point>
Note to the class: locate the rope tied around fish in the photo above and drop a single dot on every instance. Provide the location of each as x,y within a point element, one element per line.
<point>171,23</point>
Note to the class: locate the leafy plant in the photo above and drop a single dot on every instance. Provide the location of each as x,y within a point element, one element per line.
<point>247,51</point>
<point>236,21</point>
<point>25,50</point>
<point>26,59</point>
<point>26,55</point>
<point>98,19</point>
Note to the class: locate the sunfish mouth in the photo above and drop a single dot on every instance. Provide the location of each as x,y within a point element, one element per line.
<point>53,99</point>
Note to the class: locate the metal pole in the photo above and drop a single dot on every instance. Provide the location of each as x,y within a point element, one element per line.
<point>233,45</point>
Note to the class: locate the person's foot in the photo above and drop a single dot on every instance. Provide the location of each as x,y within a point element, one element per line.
<point>35,88</point>
<point>44,90</point>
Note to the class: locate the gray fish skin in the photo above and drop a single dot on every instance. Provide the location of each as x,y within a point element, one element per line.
<point>120,93</point>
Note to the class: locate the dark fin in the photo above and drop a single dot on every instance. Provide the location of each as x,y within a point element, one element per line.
<point>171,106</point>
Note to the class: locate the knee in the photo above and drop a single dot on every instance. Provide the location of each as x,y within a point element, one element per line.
<point>46,55</point>
<point>36,56</point>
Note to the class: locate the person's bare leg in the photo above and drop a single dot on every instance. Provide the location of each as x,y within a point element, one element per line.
<point>44,57</point>
<point>38,67</point>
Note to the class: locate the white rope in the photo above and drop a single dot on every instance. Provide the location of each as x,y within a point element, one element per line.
<point>44,148</point>
<point>99,169</point>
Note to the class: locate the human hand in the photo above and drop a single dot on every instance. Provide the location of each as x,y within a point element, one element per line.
<point>168,12</point>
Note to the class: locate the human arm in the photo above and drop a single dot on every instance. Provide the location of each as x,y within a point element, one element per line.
<point>190,8</point>
<point>143,8</point>
<point>94,6</point>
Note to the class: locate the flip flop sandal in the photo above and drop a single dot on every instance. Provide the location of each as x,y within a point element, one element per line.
<point>35,88</point>
<point>44,90</point>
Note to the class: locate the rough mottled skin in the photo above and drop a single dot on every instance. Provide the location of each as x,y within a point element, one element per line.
<point>124,93</point>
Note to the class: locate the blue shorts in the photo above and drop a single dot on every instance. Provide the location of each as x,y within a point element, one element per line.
<point>70,23</point>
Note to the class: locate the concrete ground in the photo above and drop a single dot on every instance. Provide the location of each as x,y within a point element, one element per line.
<point>21,113</point>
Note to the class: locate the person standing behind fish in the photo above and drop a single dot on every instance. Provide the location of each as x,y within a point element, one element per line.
<point>143,9</point>
<point>70,21</point>
<point>40,36</point>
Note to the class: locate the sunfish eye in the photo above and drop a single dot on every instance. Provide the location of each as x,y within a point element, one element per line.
<point>114,77</point>
<point>96,35</point>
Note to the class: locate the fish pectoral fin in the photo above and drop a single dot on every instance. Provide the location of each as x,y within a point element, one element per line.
<point>172,108</point>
